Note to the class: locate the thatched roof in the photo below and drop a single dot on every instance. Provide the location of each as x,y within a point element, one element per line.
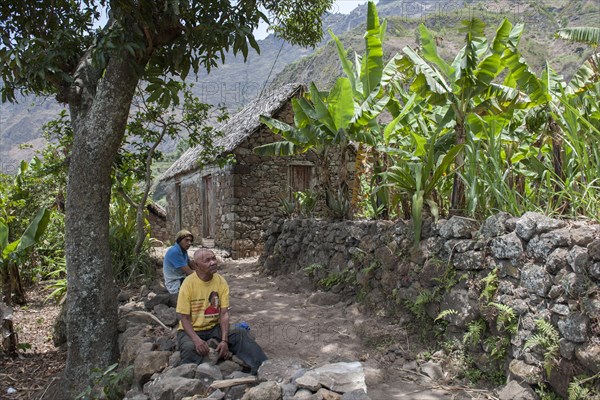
<point>237,128</point>
<point>157,210</point>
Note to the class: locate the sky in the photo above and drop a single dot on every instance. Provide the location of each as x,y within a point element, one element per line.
<point>339,6</point>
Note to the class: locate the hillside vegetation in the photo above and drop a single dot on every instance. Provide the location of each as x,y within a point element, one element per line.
<point>235,83</point>
<point>538,44</point>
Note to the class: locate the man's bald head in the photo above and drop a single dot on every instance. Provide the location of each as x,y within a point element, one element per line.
<point>205,263</point>
<point>201,253</point>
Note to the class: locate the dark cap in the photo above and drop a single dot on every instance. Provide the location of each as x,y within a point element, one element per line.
<point>182,234</point>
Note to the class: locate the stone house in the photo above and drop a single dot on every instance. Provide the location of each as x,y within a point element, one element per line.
<point>157,218</point>
<point>232,205</point>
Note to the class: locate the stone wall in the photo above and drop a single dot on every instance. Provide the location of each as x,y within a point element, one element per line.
<point>514,276</point>
<point>158,227</point>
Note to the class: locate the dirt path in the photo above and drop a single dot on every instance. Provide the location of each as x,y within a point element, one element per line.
<point>287,324</point>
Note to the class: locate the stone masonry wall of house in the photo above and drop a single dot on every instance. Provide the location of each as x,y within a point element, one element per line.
<point>258,184</point>
<point>191,212</point>
<point>191,201</point>
<point>523,273</point>
<point>252,195</point>
<point>158,227</point>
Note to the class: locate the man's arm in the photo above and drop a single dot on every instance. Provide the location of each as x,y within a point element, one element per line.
<point>186,269</point>
<point>186,322</point>
<point>223,347</point>
<point>189,267</point>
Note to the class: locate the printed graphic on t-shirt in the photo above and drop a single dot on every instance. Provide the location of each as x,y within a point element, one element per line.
<point>196,306</point>
<point>214,308</point>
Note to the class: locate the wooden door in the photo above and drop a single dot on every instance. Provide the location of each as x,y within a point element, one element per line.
<point>300,178</point>
<point>208,208</point>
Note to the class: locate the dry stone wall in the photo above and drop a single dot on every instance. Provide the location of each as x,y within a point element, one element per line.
<point>518,276</point>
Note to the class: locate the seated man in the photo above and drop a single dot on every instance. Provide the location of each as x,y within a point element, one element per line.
<point>203,311</point>
<point>176,264</point>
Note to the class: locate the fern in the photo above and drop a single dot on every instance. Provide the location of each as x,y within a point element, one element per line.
<point>448,280</point>
<point>490,285</point>
<point>475,330</point>
<point>418,307</point>
<point>497,346</point>
<point>577,390</point>
<point>507,319</point>
<point>547,338</point>
<point>445,313</point>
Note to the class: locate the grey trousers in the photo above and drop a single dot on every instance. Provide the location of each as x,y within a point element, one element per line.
<point>240,343</point>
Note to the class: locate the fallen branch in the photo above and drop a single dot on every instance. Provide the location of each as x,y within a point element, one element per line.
<point>147,315</point>
<point>225,383</point>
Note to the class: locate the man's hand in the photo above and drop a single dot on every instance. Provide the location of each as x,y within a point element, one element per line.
<point>201,347</point>
<point>223,349</point>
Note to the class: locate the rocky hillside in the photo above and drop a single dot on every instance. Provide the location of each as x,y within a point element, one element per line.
<point>236,82</point>
<point>537,44</point>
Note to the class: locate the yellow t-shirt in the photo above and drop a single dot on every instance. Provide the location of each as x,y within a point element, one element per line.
<point>202,300</point>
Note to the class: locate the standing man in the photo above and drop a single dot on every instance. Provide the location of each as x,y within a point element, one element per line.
<point>176,265</point>
<point>203,312</point>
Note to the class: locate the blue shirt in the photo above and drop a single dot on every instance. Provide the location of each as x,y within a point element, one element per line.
<point>175,260</point>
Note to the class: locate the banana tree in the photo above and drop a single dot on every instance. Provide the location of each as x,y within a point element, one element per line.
<point>371,82</point>
<point>12,254</point>
<point>467,85</point>
<point>418,175</point>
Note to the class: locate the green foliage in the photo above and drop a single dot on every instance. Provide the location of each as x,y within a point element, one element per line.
<point>416,179</point>
<point>581,388</point>
<point>497,347</point>
<point>421,301</point>
<point>475,332</point>
<point>58,283</point>
<point>346,276</point>
<point>34,187</point>
<point>339,204</point>
<point>547,338</point>
<point>110,384</point>
<point>24,346</point>
<point>518,140</point>
<point>287,207</point>
<point>312,270</point>
<point>445,313</point>
<point>122,240</point>
<point>581,34</point>
<point>545,393</point>
<point>14,252</point>
<point>186,122</point>
<point>41,54</point>
<point>507,320</point>
<point>490,283</point>
<point>307,201</point>
<point>447,281</point>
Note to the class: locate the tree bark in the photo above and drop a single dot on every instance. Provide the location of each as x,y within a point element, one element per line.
<point>99,110</point>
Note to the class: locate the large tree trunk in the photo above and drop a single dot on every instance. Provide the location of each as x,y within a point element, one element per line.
<point>99,116</point>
